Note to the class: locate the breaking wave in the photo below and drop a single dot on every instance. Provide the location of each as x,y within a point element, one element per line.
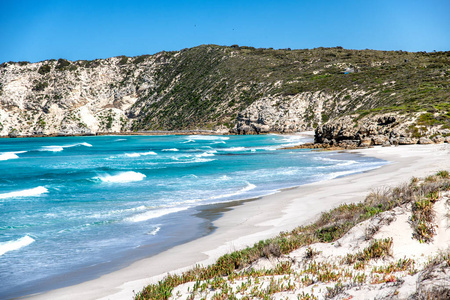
<point>122,177</point>
<point>61,148</point>
<point>153,214</point>
<point>140,154</point>
<point>249,187</point>
<point>15,244</point>
<point>25,193</point>
<point>10,155</point>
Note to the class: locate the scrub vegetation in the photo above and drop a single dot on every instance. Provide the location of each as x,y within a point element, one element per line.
<point>232,275</point>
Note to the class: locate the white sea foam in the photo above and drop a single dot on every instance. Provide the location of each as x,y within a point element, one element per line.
<point>122,177</point>
<point>15,244</point>
<point>191,176</point>
<point>206,154</point>
<point>249,187</point>
<point>10,155</point>
<point>84,144</point>
<point>52,148</point>
<point>295,140</point>
<point>340,162</point>
<point>140,154</point>
<point>188,141</point>
<point>61,148</point>
<point>120,140</point>
<point>148,153</point>
<point>117,212</point>
<point>207,138</point>
<point>153,214</point>
<point>155,231</point>
<point>25,193</point>
<point>171,149</point>
<point>234,149</point>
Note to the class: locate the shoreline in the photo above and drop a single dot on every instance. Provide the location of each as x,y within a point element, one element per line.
<point>266,217</point>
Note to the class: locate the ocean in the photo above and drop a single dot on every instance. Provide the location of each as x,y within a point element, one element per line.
<point>73,208</point>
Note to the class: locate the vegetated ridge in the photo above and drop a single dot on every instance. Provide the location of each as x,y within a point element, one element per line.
<point>234,89</point>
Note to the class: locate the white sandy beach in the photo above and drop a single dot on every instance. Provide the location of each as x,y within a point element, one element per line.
<point>265,218</point>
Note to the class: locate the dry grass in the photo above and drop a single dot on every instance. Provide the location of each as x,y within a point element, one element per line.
<point>331,226</point>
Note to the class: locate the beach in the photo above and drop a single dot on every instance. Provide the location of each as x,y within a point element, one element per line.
<point>250,221</point>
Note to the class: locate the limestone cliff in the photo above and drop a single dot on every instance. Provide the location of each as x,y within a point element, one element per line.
<point>242,90</point>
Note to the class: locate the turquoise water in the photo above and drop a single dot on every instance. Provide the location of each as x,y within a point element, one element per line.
<point>70,205</point>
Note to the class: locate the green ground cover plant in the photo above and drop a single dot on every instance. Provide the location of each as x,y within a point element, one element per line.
<point>329,227</point>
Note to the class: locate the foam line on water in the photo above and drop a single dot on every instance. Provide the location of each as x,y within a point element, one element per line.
<point>15,244</point>
<point>171,149</point>
<point>207,138</point>
<point>123,177</point>
<point>140,154</point>
<point>207,153</point>
<point>234,149</point>
<point>196,160</point>
<point>61,148</point>
<point>155,231</point>
<point>249,187</point>
<point>25,193</point>
<point>153,214</point>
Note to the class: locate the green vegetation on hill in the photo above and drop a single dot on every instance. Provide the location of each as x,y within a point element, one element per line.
<point>210,84</point>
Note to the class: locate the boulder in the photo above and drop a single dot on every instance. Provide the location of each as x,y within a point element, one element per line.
<point>393,141</point>
<point>407,141</point>
<point>447,139</point>
<point>379,139</point>
<point>439,139</point>
<point>365,142</point>
<point>425,141</point>
<point>349,143</point>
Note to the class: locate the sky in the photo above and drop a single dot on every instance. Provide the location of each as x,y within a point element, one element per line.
<point>36,30</point>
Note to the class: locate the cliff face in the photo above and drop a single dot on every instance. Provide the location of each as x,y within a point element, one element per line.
<point>238,89</point>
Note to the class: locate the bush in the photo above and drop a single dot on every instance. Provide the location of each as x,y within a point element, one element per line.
<point>44,69</point>
<point>62,64</point>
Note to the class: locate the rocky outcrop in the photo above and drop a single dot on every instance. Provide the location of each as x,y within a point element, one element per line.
<point>384,129</point>
<point>282,114</point>
<point>67,98</point>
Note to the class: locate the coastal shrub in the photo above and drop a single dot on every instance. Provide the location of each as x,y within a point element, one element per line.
<point>443,174</point>
<point>331,226</point>
<point>422,220</point>
<point>377,249</point>
<point>40,86</point>
<point>335,291</point>
<point>44,69</point>
<point>123,60</point>
<point>62,64</point>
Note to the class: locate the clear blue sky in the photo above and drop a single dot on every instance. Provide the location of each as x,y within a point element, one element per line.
<point>38,30</point>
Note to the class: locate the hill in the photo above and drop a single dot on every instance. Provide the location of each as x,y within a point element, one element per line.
<point>238,89</point>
